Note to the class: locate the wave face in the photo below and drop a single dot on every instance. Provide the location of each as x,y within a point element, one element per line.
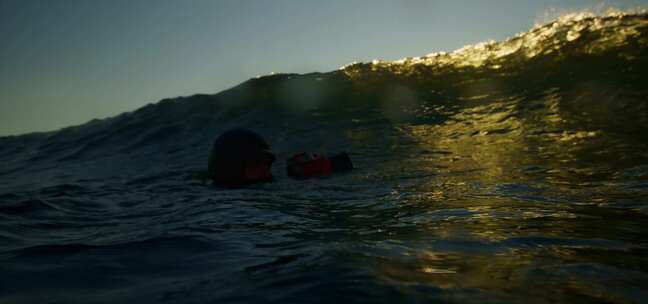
<point>493,174</point>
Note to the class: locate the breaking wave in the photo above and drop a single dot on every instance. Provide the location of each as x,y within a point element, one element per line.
<point>489,174</point>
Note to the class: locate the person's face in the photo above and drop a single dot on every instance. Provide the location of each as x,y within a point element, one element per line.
<point>259,170</point>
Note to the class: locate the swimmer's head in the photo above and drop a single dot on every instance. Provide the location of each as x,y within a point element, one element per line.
<point>240,157</point>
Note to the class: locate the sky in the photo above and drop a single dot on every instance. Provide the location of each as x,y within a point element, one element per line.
<point>66,62</point>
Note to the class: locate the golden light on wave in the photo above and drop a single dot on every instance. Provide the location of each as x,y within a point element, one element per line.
<point>432,270</point>
<point>549,38</point>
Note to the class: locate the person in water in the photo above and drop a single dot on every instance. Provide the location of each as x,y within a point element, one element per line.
<point>241,157</point>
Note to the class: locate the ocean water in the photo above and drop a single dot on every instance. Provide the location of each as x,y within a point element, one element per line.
<point>504,172</point>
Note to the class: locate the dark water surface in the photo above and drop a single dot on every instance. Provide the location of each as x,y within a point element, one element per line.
<point>502,173</point>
